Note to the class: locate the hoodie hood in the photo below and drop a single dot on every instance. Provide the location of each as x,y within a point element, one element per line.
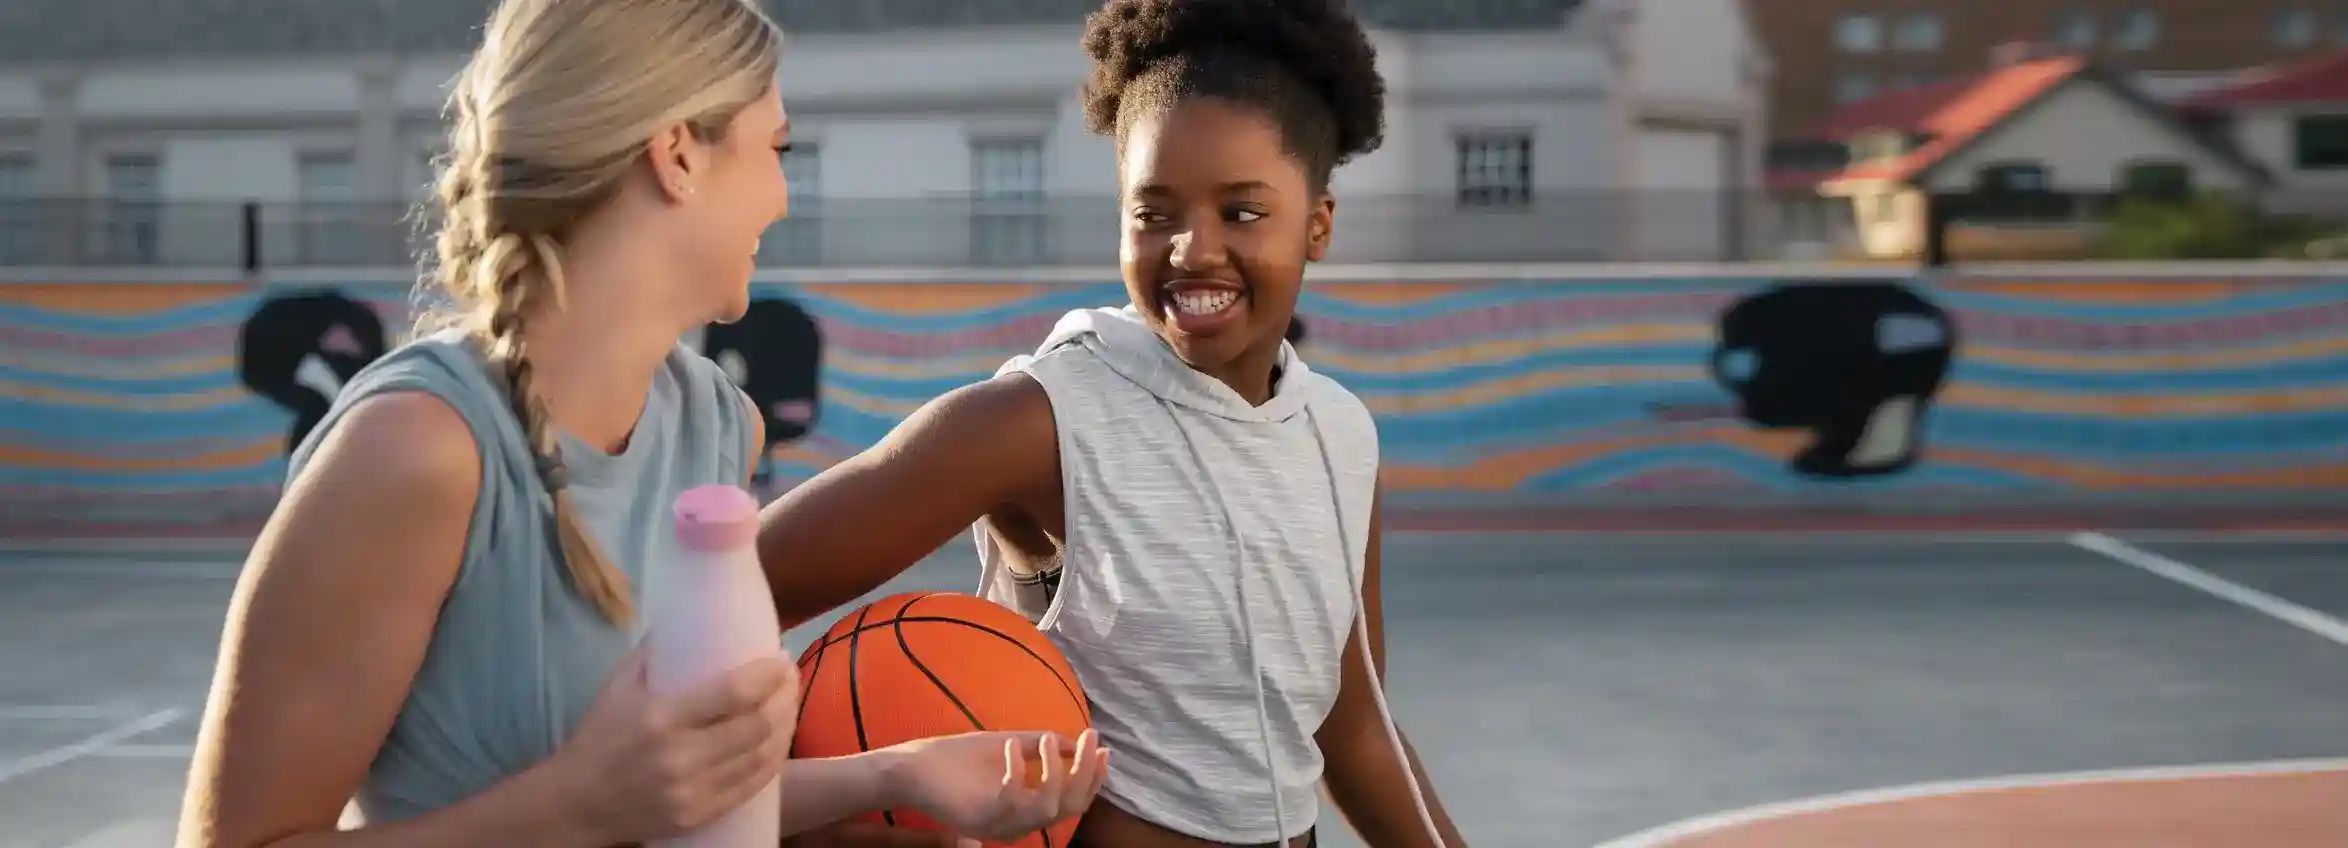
<point>1123,340</point>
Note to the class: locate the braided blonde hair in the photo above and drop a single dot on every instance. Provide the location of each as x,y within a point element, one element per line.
<point>561,99</point>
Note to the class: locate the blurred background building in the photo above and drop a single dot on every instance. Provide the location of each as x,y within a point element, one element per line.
<point>929,132</point>
<point>2046,120</point>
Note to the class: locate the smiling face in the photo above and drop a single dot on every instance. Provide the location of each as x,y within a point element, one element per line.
<point>742,195</point>
<point>1219,222</point>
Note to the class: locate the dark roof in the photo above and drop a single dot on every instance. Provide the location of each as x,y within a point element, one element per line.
<point>2322,79</point>
<point>66,30</point>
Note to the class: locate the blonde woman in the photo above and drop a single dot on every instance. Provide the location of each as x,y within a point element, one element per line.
<point>436,628</point>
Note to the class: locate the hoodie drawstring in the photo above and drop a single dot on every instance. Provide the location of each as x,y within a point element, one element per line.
<point>1361,629</point>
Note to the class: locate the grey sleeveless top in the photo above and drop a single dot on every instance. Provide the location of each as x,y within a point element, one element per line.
<point>516,656</point>
<point>1210,576</point>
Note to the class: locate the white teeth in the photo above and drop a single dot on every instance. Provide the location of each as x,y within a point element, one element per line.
<point>1204,302</point>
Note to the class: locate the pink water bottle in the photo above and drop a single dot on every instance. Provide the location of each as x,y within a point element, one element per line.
<point>712,613</point>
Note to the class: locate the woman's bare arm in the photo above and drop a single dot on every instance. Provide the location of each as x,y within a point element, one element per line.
<point>327,627</point>
<point>969,452</point>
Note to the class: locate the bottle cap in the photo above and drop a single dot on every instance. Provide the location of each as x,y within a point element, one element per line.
<point>716,518</point>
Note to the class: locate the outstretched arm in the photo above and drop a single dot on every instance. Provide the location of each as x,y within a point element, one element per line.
<point>1364,774</point>
<point>857,524</point>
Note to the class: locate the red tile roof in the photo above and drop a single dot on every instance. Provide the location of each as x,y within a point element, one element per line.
<point>2323,79</point>
<point>1950,114</point>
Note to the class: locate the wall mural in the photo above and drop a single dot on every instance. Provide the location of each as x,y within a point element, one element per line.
<point>1856,366</point>
<point>297,351</point>
<point>775,353</point>
<point>167,409</point>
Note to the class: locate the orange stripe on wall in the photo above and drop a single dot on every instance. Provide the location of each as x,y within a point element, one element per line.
<point>237,457</point>
<point>2081,291</point>
<point>916,298</point>
<point>1385,293</point>
<point>116,298</point>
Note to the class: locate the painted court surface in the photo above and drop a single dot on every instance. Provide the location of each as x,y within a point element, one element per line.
<point>1572,691</point>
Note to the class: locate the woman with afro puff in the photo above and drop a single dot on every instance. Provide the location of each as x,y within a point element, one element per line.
<point>1164,487</point>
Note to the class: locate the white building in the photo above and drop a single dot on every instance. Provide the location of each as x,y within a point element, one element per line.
<point>2035,148</point>
<point>1540,129</point>
<point>2293,120</point>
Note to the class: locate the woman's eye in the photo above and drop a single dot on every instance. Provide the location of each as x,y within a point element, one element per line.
<point>1246,216</point>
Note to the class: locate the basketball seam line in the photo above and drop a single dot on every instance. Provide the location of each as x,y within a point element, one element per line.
<point>856,700</point>
<point>861,626</point>
<point>898,625</point>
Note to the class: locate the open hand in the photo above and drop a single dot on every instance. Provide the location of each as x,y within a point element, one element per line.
<point>980,785</point>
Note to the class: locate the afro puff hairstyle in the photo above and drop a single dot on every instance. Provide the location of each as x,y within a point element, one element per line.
<point>1304,64</point>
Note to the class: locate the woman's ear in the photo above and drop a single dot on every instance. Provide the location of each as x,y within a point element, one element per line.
<point>677,158</point>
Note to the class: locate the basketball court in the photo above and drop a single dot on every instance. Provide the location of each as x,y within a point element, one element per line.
<point>1798,690</point>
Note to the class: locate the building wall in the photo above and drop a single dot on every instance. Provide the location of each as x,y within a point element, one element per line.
<point>2084,136</point>
<point>889,121</point>
<point>2267,136</point>
<point>2193,36</point>
<point>894,114</point>
<point>123,413</point>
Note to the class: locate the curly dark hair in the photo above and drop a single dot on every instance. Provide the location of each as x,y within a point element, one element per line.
<point>1305,64</point>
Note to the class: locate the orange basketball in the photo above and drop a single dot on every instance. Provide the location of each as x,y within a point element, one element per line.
<point>926,664</point>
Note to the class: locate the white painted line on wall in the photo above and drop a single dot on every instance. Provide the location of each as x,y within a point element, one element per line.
<point>2270,605</point>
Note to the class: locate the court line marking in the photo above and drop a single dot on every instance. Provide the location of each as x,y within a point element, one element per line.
<point>67,712</point>
<point>1694,537</point>
<point>2275,607</point>
<point>1658,837</point>
<point>89,745</point>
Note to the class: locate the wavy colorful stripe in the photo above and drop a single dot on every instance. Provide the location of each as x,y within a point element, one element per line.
<point>120,404</point>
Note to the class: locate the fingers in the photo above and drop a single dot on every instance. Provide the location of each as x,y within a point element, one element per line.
<point>1014,768</point>
<point>740,690</point>
<point>1054,775</point>
<point>1086,770</point>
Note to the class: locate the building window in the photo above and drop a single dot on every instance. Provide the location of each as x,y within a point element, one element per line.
<point>327,228</point>
<point>1854,86</point>
<point>2139,30</point>
<point>1007,212</point>
<point>1495,169</point>
<point>2016,191</point>
<point>797,239</point>
<point>21,232</point>
<point>2294,28</point>
<point>2075,29</point>
<point>2156,180</point>
<point>2013,178</point>
<point>1919,33</point>
<point>2320,142</point>
<point>131,229</point>
<point>1858,34</point>
<point>16,176</point>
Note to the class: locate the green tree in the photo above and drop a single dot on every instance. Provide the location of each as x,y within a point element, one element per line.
<point>2203,226</point>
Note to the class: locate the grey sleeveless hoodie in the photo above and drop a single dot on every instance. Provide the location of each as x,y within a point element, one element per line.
<point>1211,572</point>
